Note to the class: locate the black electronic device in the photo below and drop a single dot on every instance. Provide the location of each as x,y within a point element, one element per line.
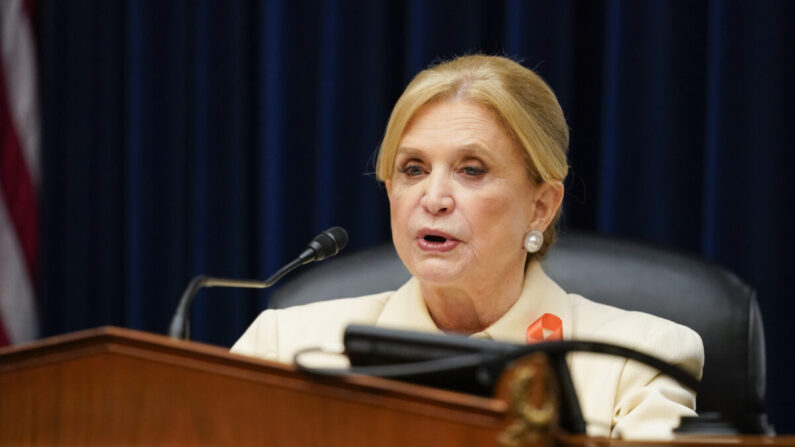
<point>453,362</point>
<point>473,366</point>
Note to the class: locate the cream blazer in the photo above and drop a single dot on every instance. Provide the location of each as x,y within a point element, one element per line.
<point>619,398</point>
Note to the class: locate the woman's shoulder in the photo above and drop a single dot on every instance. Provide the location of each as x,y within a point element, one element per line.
<point>638,330</point>
<point>637,401</point>
<point>592,317</point>
<point>276,334</point>
<point>340,306</point>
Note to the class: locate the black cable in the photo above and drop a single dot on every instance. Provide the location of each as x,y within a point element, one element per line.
<point>564,347</point>
<point>436,366</point>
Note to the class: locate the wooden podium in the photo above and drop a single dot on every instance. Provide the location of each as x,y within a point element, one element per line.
<point>112,386</point>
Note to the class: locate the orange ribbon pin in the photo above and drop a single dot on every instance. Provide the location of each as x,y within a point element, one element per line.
<point>547,328</point>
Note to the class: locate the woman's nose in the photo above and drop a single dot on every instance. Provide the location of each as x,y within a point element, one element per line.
<point>437,197</point>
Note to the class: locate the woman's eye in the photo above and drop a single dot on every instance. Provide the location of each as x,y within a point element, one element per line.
<point>411,170</point>
<point>473,171</point>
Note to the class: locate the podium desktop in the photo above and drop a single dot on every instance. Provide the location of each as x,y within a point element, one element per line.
<point>113,386</point>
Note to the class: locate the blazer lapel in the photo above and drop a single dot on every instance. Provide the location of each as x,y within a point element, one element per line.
<point>540,295</point>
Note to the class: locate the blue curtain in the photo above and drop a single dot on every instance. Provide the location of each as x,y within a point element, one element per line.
<point>187,137</point>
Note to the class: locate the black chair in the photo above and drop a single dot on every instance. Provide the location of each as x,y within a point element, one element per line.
<point>630,275</point>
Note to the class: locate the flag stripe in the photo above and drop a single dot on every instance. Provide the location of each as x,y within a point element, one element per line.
<point>27,8</point>
<point>3,337</point>
<point>16,184</point>
<point>17,301</point>
<point>19,68</point>
<point>19,174</point>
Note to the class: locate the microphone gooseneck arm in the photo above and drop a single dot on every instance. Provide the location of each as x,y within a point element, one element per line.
<point>324,245</point>
<point>180,323</point>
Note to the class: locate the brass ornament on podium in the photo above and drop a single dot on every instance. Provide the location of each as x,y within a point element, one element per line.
<point>529,389</point>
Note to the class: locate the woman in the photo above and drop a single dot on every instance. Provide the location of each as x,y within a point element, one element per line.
<point>473,160</point>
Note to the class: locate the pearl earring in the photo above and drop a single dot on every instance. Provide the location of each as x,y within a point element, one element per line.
<point>533,241</point>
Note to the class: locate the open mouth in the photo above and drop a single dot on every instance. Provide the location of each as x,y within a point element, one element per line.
<point>436,242</point>
<point>435,239</point>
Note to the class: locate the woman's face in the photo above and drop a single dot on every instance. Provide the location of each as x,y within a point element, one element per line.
<point>460,197</point>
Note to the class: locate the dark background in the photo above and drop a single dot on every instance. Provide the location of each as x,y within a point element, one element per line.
<point>187,137</point>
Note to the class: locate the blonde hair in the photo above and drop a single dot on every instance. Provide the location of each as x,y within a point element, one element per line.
<point>519,98</point>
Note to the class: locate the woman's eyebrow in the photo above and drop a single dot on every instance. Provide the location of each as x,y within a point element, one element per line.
<point>476,150</point>
<point>407,151</point>
<point>473,148</point>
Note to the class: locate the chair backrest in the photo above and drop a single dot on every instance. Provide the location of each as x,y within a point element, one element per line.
<point>629,275</point>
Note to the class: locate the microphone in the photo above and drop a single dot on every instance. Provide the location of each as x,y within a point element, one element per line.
<point>324,245</point>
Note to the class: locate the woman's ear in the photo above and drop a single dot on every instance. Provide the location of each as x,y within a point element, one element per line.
<point>388,184</point>
<point>547,199</point>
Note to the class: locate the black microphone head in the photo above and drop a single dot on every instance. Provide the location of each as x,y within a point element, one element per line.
<point>328,243</point>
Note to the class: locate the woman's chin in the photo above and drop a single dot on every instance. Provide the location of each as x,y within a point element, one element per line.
<point>438,272</point>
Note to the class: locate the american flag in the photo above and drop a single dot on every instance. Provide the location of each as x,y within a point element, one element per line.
<point>19,174</point>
